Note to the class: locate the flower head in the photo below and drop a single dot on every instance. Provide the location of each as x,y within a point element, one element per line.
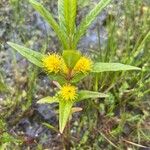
<point>52,63</point>
<point>65,69</point>
<point>68,92</point>
<point>83,65</point>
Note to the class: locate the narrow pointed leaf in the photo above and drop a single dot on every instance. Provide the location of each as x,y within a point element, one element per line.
<point>50,127</point>
<point>76,109</point>
<point>84,94</point>
<point>33,56</point>
<point>49,18</point>
<point>65,108</point>
<point>86,22</point>
<point>48,100</point>
<point>102,67</point>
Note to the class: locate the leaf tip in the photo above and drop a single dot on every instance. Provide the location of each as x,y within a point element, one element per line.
<point>9,43</point>
<point>39,102</point>
<point>139,68</point>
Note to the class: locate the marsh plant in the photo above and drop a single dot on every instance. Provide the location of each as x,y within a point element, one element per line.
<point>68,67</point>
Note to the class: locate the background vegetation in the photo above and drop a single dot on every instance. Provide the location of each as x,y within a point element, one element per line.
<point>120,34</point>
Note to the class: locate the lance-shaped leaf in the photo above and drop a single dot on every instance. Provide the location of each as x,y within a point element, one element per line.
<point>58,78</point>
<point>102,67</point>
<point>49,18</point>
<point>33,56</point>
<point>65,108</point>
<point>84,94</point>
<point>78,77</point>
<point>86,22</point>
<point>50,127</point>
<point>48,100</point>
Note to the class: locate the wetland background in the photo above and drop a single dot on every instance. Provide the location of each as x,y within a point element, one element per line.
<point>121,33</point>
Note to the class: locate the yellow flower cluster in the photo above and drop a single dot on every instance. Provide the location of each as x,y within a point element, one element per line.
<point>83,65</point>
<point>68,92</point>
<point>54,63</point>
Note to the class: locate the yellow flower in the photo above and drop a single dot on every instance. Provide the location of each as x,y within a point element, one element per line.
<point>52,63</point>
<point>83,65</point>
<point>68,92</point>
<point>65,69</point>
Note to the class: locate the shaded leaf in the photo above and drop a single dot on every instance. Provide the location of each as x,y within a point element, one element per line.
<point>51,127</point>
<point>102,67</point>
<point>33,56</point>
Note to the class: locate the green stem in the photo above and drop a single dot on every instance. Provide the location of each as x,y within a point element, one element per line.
<point>96,83</point>
<point>66,137</point>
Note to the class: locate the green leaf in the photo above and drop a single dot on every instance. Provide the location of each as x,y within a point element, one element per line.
<point>50,127</point>
<point>78,77</point>
<point>49,18</point>
<point>61,15</point>
<point>102,67</point>
<point>65,108</point>
<point>56,77</point>
<point>84,94</point>
<point>86,22</point>
<point>33,56</point>
<point>48,100</point>
<point>67,16</point>
<point>70,7</point>
<point>71,57</point>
